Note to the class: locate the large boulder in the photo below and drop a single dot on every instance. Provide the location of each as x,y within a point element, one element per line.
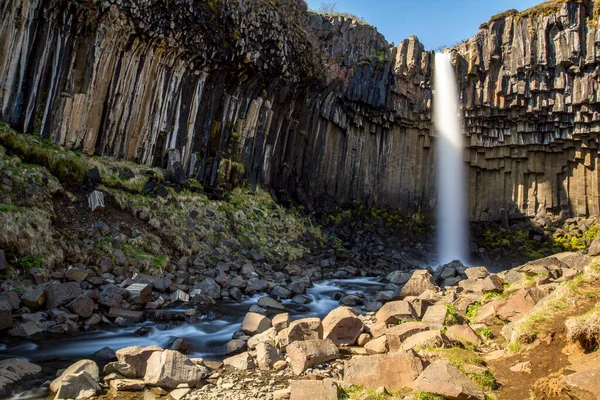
<point>170,368</point>
<point>424,339</point>
<point>488,284</point>
<point>307,353</point>
<point>254,323</point>
<point>267,336</point>
<point>313,390</point>
<point>435,316</point>
<point>420,281</point>
<point>519,303</point>
<point>82,306</point>
<point>209,288</point>
<point>443,379</point>
<point>15,370</point>
<point>464,334</point>
<point>80,385</point>
<point>137,357</point>
<point>584,385</point>
<point>59,294</point>
<point>395,311</point>
<point>342,326</point>
<point>393,370</point>
<point>33,299</point>
<point>87,366</point>
<point>299,330</point>
<point>267,355</point>
<point>396,335</point>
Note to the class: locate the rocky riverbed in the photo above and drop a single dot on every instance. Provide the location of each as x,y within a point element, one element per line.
<point>455,333</point>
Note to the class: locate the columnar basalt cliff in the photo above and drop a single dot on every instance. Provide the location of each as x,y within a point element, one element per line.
<point>319,108</point>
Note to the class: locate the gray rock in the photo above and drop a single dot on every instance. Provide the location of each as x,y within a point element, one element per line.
<point>59,294</point>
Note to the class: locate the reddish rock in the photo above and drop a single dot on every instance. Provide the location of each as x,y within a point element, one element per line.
<point>394,312</point>
<point>398,334</point>
<point>307,353</point>
<point>393,370</point>
<point>313,390</point>
<point>443,379</point>
<point>342,326</point>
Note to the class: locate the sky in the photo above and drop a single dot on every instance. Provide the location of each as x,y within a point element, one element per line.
<point>436,23</point>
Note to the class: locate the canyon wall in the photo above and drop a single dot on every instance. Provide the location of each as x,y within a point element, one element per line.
<point>319,108</point>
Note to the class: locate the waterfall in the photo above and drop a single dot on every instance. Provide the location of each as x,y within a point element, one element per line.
<point>452,201</point>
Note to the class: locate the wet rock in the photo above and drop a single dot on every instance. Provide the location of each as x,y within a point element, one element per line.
<point>443,379</point>
<point>307,353</point>
<point>342,326</point>
<point>254,323</point>
<point>420,281</point>
<point>59,294</point>
<point>395,311</point>
<point>312,389</point>
<point>196,296</point>
<point>132,315</point>
<point>282,292</point>
<point>268,302</point>
<point>26,329</point>
<point>301,299</point>
<point>243,362</point>
<point>398,277</point>
<point>137,357</point>
<point>180,296</point>
<point>169,369</point>
<point>182,345</point>
<point>235,346</point>
<point>374,371</point>
<point>105,353</point>
<point>267,355</point>
<point>352,301</point>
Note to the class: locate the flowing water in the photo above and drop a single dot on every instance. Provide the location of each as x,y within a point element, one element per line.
<point>452,201</point>
<point>208,336</point>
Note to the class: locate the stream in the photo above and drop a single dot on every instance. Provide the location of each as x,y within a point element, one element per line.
<point>208,336</point>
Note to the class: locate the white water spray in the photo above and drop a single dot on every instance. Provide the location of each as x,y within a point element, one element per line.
<point>452,202</point>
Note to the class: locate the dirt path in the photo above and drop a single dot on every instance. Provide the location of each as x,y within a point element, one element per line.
<point>549,363</point>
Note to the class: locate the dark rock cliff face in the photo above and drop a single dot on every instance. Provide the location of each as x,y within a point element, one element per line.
<point>322,109</point>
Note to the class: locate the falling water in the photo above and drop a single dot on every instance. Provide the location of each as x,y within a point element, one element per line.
<point>452,204</point>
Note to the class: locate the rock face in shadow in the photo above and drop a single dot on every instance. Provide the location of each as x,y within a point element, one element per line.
<point>321,109</point>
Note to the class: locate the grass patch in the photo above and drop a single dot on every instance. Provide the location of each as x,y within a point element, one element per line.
<point>490,296</point>
<point>585,329</point>
<point>472,310</point>
<point>485,380</point>
<point>452,317</point>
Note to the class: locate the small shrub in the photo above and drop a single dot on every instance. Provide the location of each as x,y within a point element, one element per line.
<point>473,309</point>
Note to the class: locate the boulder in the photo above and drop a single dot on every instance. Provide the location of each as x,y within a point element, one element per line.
<point>281,321</point>
<point>342,326</point>
<point>136,316</point>
<point>6,318</point>
<point>267,355</point>
<point>121,368</point>
<point>424,339</point>
<point>254,323</point>
<point>139,293</point>
<point>235,346</point>
<point>127,385</point>
<point>443,379</point>
<point>77,274</point>
<point>481,286</point>
<point>82,306</point>
<point>243,361</point>
<point>33,299</point>
<point>80,385</point>
<point>464,334</point>
<point>170,368</point>
<point>15,370</point>
<point>313,389</point>
<point>59,294</point>
<point>477,273</point>
<point>88,366</point>
<point>398,334</point>
<point>209,288</point>
<point>301,329</point>
<point>519,303</point>
<point>395,311</point>
<point>307,353</point>
<point>137,357</point>
<point>435,316</point>
<point>269,302</point>
<point>420,281</point>
<point>377,346</point>
<point>182,345</point>
<point>583,385</point>
<point>268,336</point>
<point>393,370</point>
<point>594,248</point>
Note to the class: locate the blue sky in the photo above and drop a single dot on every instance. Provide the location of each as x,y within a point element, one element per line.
<point>435,22</point>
